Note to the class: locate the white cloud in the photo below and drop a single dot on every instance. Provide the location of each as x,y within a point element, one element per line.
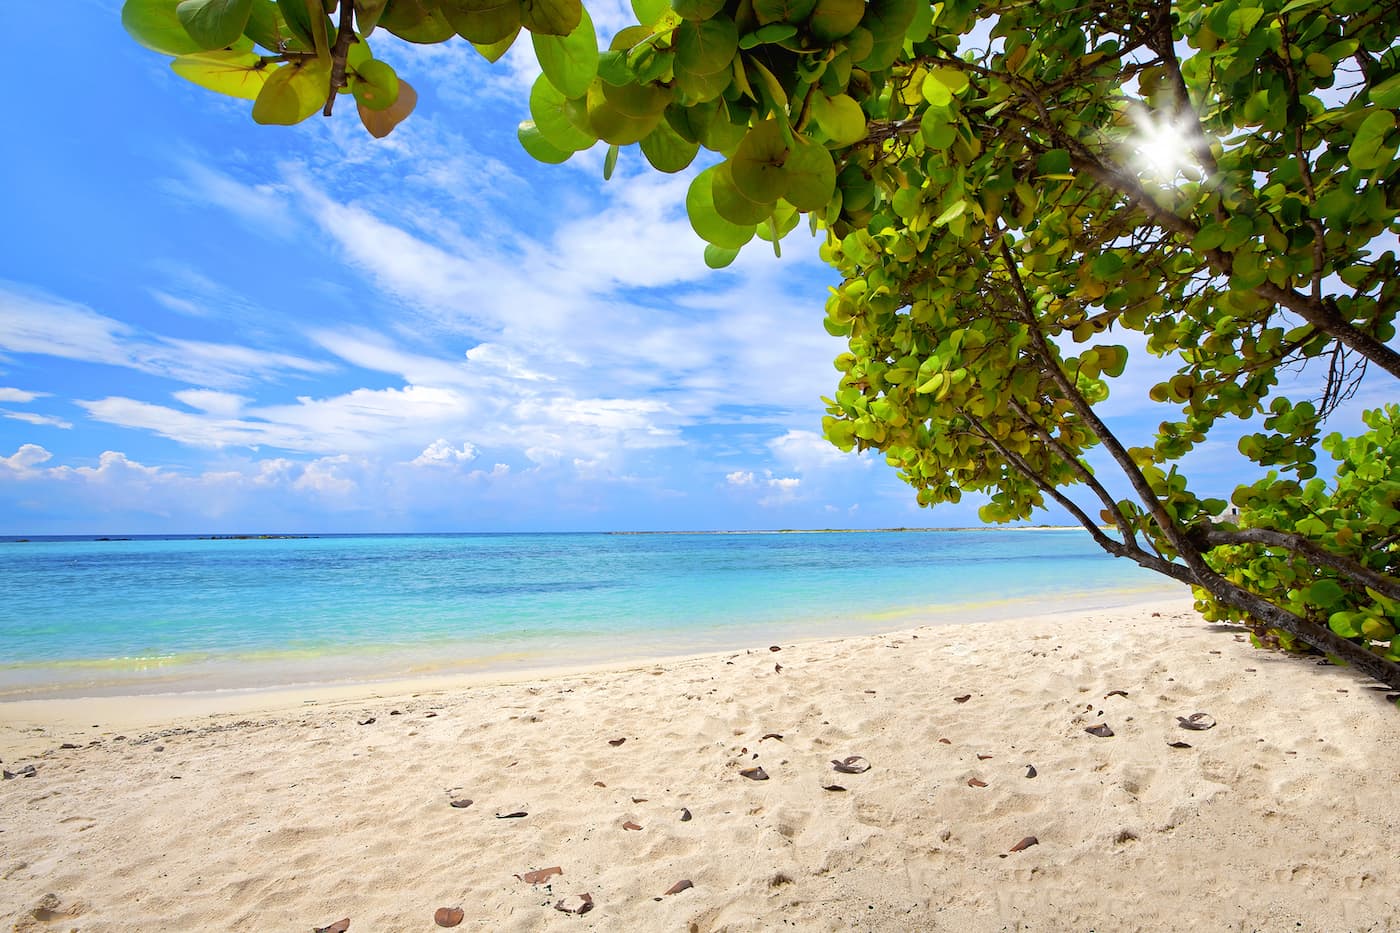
<point>32,322</point>
<point>31,418</point>
<point>739,478</point>
<point>225,404</point>
<point>441,453</point>
<point>26,458</point>
<point>19,395</point>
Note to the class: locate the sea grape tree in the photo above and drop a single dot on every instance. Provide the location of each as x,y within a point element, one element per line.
<point>1018,196</point>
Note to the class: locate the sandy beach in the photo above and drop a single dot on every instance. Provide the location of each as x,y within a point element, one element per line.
<point>278,811</point>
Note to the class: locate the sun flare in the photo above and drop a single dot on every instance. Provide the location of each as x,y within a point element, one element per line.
<point>1161,147</point>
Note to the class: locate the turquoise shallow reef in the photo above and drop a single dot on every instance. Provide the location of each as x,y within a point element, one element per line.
<point>143,614</point>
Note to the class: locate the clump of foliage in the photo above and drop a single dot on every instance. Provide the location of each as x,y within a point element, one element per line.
<point>1019,197</point>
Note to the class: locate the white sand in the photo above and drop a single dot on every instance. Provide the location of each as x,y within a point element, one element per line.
<point>272,813</point>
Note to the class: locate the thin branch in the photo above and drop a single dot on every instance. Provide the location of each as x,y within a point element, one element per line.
<point>1116,548</point>
<point>344,38</point>
<point>1074,463</point>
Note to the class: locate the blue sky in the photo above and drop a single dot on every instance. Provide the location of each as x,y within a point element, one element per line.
<point>211,326</point>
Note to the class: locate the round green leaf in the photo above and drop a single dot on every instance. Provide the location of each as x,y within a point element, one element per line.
<point>549,110</point>
<point>732,204</point>
<point>638,100</point>
<point>570,62</point>
<point>611,124</point>
<point>697,9</point>
<point>717,257</point>
<point>292,93</point>
<point>811,175</point>
<point>551,17</point>
<point>712,228</point>
<point>649,11</point>
<point>833,19</point>
<point>156,25</point>
<point>708,47</point>
<point>494,51</point>
<point>418,21</point>
<point>757,164</point>
<point>783,11</point>
<point>839,117</point>
<point>887,21</point>
<point>537,146</point>
<point>375,85</point>
<point>237,74</point>
<point>214,24</point>
<point>482,22</point>
<point>666,150</point>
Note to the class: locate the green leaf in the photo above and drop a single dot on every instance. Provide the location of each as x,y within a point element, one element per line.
<point>811,176</point>
<point>539,148</point>
<point>298,20</point>
<point>1325,593</point>
<point>706,222</point>
<point>483,22</point>
<point>1387,93</point>
<point>887,21</point>
<point>375,85</point>
<point>549,111</point>
<point>834,19</point>
<point>292,93</point>
<point>666,150</point>
<point>422,21</point>
<point>783,11</point>
<point>214,24</point>
<point>551,17</point>
<point>757,164</point>
<point>649,11</point>
<point>268,28</point>
<point>1053,162</point>
<point>735,206</point>
<point>708,47</point>
<point>839,117</point>
<point>381,123</point>
<point>367,13</point>
<point>717,257</point>
<point>494,51</point>
<point>237,74</point>
<point>610,163</point>
<point>698,10</point>
<point>570,62</point>
<point>156,25</point>
<point>1369,149</point>
<point>954,211</point>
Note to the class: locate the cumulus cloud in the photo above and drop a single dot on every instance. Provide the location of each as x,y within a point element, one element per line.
<point>441,453</point>
<point>26,458</point>
<point>739,478</point>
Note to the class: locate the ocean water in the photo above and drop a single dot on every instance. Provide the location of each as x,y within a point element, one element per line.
<point>85,616</point>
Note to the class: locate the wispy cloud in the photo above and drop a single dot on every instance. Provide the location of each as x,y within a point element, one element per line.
<point>34,322</point>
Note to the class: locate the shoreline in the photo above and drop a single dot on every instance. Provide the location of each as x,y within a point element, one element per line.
<point>371,665</point>
<point>297,810</point>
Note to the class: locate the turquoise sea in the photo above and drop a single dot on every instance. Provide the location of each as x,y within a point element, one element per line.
<point>84,616</point>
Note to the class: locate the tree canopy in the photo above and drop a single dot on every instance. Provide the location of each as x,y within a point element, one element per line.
<point>1025,200</point>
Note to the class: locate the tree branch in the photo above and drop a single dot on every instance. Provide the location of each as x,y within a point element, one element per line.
<point>344,38</point>
<point>1387,586</point>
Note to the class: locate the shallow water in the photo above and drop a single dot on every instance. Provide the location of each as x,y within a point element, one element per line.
<point>85,615</point>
